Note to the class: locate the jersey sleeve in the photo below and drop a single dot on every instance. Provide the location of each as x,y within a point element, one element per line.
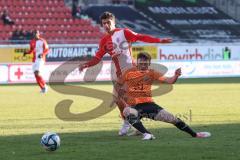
<point>32,47</point>
<point>45,48</point>
<point>101,51</point>
<point>133,37</point>
<point>130,35</point>
<point>98,56</point>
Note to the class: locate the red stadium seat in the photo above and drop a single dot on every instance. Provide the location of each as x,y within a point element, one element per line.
<point>50,16</point>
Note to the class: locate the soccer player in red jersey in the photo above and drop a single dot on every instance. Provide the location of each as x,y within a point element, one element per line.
<point>39,49</point>
<point>136,92</point>
<point>117,43</point>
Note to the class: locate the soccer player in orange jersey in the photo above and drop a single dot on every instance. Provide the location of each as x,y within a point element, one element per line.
<point>136,92</point>
<point>39,49</point>
<point>117,43</point>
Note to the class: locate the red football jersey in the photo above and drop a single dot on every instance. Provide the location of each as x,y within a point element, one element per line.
<point>38,47</point>
<point>118,46</point>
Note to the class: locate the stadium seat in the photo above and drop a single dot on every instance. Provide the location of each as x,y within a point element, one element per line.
<point>52,17</point>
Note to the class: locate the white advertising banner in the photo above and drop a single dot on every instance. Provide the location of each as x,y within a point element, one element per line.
<point>196,52</point>
<point>3,73</point>
<point>22,73</point>
<point>204,69</point>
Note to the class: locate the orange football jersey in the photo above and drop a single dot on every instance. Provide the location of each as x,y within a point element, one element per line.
<point>137,85</point>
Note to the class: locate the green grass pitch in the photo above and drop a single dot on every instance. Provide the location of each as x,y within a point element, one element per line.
<point>25,115</point>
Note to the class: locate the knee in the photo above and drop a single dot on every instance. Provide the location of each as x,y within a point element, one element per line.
<point>36,73</point>
<point>130,111</point>
<point>131,114</point>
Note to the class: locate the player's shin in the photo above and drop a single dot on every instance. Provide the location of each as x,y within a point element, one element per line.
<point>121,106</point>
<point>165,116</point>
<point>42,82</point>
<point>132,117</point>
<point>184,127</point>
<point>136,123</point>
<point>39,81</point>
<point>125,126</point>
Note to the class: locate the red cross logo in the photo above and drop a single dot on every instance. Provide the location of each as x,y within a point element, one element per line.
<point>18,73</point>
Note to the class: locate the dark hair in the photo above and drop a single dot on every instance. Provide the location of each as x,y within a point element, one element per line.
<point>144,55</point>
<point>35,31</point>
<point>106,15</point>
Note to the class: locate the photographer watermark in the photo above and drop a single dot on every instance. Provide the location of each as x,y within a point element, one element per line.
<point>185,116</point>
<point>62,109</point>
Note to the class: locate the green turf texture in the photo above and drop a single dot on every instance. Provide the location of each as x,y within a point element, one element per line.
<point>26,114</point>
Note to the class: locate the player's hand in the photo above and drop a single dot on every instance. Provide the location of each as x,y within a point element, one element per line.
<point>166,40</point>
<point>178,72</point>
<point>81,67</point>
<point>40,55</point>
<point>25,53</point>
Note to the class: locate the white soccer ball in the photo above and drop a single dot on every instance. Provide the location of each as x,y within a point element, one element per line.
<point>50,141</point>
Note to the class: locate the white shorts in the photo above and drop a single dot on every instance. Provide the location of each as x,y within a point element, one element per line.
<point>38,65</point>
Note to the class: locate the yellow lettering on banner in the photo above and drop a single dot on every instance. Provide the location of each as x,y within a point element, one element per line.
<point>18,55</point>
<point>152,50</point>
<point>9,55</point>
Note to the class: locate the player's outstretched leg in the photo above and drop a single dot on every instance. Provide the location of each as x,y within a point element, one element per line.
<point>184,127</point>
<point>165,116</point>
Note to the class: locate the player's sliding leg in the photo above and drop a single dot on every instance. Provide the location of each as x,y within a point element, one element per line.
<point>121,105</point>
<point>126,125</point>
<point>165,116</point>
<point>133,118</point>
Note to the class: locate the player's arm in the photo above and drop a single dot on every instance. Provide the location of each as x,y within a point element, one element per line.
<point>29,51</point>
<point>173,79</point>
<point>95,60</point>
<point>45,48</point>
<point>133,37</point>
<point>92,62</point>
<point>170,80</point>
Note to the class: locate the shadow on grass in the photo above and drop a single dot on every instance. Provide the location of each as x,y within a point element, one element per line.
<point>170,144</point>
